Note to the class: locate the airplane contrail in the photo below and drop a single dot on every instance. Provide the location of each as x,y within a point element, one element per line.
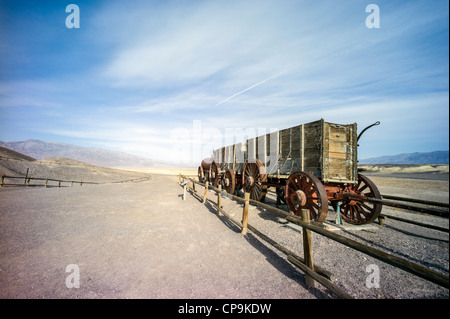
<point>250,87</point>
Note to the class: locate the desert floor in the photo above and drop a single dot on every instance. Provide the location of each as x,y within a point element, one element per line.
<point>142,240</point>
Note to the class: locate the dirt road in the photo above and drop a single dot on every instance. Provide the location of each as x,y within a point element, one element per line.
<point>133,240</point>
<point>141,240</point>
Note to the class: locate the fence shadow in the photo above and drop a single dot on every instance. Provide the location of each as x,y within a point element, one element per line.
<point>397,259</point>
<point>275,259</point>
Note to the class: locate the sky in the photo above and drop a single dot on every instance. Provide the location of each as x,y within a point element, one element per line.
<point>173,80</point>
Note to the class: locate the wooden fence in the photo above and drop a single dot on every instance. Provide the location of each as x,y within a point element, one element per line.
<point>50,182</point>
<point>313,272</point>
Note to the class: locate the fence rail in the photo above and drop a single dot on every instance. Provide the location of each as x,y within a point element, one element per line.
<point>307,266</point>
<point>27,181</point>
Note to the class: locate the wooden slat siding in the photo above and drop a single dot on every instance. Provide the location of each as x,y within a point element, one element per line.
<point>261,149</point>
<point>273,152</point>
<point>284,164</point>
<point>241,157</point>
<point>338,149</point>
<point>223,164</point>
<point>313,148</point>
<point>234,157</point>
<point>216,154</point>
<point>229,158</point>
<point>251,149</point>
<point>327,150</point>
<point>353,156</point>
<point>296,149</point>
<point>220,157</point>
<point>302,147</point>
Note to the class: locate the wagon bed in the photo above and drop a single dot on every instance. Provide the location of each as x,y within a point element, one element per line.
<point>326,149</point>
<point>311,165</point>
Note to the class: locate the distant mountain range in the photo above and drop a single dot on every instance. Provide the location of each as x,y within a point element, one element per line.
<point>437,157</point>
<point>91,155</point>
<point>102,157</point>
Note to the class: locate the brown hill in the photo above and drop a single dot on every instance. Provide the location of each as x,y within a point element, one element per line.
<point>6,153</point>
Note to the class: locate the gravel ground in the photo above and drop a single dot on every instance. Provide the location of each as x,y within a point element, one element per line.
<point>416,243</point>
<point>141,240</point>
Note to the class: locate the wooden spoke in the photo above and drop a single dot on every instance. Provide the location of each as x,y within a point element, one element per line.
<point>255,180</point>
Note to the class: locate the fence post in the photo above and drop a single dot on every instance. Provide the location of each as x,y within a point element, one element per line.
<point>26,176</point>
<point>307,248</point>
<point>59,184</point>
<point>219,200</point>
<point>3,179</point>
<point>185,186</point>
<point>206,192</point>
<point>46,181</point>
<point>245,213</point>
<point>193,186</point>
<point>28,181</point>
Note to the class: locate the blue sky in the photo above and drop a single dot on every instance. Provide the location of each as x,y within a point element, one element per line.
<point>172,80</point>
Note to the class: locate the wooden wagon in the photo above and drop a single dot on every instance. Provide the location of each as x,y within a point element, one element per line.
<point>310,165</point>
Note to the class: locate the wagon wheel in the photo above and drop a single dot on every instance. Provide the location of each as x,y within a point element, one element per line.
<point>255,180</point>
<point>214,174</point>
<point>201,174</point>
<point>229,181</point>
<point>305,191</point>
<point>356,211</point>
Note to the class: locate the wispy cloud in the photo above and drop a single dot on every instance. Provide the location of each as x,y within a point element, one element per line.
<point>250,87</point>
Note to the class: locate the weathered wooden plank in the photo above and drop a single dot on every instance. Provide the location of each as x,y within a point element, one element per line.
<point>241,157</point>
<point>251,149</point>
<point>261,149</point>
<point>273,152</point>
